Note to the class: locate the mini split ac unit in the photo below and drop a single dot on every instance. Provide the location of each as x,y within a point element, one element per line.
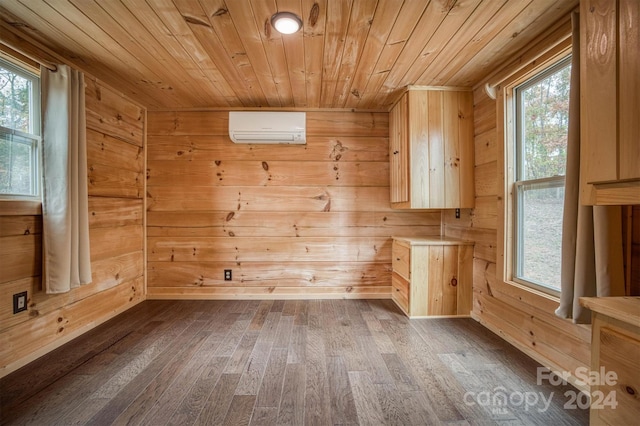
<point>267,127</point>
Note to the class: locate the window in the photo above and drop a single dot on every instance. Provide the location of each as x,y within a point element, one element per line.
<point>541,117</point>
<point>19,131</point>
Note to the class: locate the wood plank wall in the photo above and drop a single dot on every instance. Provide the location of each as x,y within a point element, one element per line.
<point>115,138</point>
<point>288,220</point>
<point>523,318</point>
<point>631,240</point>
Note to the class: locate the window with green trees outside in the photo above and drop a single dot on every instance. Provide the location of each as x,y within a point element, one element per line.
<point>541,124</point>
<point>19,131</point>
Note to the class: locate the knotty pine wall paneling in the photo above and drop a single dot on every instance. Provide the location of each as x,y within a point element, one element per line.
<point>290,221</point>
<point>523,318</point>
<point>115,150</point>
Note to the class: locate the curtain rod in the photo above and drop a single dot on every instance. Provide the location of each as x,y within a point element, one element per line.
<point>48,65</point>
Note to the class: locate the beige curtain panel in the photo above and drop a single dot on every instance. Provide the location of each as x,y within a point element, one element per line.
<point>65,208</point>
<point>591,235</point>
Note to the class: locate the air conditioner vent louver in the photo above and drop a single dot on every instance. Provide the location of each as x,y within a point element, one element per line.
<point>267,127</point>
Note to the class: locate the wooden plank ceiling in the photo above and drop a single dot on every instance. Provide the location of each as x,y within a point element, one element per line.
<point>216,53</point>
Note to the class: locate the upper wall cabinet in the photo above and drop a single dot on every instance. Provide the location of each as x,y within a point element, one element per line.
<point>610,101</point>
<point>431,149</point>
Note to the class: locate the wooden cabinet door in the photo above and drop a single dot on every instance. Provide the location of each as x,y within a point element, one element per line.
<point>443,280</point>
<point>609,101</point>
<point>432,150</point>
<point>399,152</point>
<point>617,354</point>
<point>598,91</point>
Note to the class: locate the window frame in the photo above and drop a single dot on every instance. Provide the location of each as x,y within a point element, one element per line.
<point>35,124</point>
<point>520,183</point>
<point>507,199</point>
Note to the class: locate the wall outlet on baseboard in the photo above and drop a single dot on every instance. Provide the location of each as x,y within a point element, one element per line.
<point>19,302</point>
<point>227,274</point>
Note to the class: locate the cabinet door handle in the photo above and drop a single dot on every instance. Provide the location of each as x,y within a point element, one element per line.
<point>454,282</point>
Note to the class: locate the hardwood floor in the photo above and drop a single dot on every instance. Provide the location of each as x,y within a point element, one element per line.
<point>283,362</point>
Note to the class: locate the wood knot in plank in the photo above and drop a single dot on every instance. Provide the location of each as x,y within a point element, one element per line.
<point>324,196</point>
<point>230,216</point>
<point>449,5</point>
<point>265,166</point>
<point>314,14</point>
<point>267,28</point>
<point>195,21</point>
<point>220,12</point>
<point>337,151</point>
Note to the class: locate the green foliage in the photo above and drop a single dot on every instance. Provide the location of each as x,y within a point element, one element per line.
<point>16,153</point>
<point>545,118</point>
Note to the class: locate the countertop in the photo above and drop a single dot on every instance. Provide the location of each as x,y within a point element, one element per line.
<point>626,309</point>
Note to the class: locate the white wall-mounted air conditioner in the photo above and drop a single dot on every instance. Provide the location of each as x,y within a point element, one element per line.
<point>267,127</point>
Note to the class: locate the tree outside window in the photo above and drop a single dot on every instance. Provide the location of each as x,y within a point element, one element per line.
<point>19,130</point>
<point>542,121</point>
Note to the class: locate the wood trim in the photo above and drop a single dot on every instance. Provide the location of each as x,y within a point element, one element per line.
<point>432,88</point>
<point>145,251</point>
<point>20,208</point>
<point>503,210</point>
<point>617,194</point>
<point>79,318</point>
<point>279,109</point>
<point>553,366</point>
<point>26,46</point>
<point>557,37</point>
<point>628,248</point>
<point>269,293</point>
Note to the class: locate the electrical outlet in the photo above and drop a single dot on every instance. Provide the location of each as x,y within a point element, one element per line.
<point>19,302</point>
<point>227,274</point>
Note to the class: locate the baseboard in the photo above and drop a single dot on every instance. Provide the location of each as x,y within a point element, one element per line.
<point>19,363</point>
<point>268,293</point>
<point>546,362</point>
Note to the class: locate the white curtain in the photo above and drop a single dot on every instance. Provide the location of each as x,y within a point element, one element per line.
<point>591,235</point>
<point>67,261</point>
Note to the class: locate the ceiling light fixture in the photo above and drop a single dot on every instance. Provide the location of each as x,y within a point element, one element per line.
<point>286,22</point>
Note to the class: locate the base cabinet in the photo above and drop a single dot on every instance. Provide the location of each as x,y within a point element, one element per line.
<point>432,276</point>
<point>615,352</point>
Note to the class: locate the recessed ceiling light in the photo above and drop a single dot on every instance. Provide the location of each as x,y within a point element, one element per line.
<point>286,22</point>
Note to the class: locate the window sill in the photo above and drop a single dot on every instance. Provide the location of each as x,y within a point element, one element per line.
<point>532,290</point>
<point>18,207</point>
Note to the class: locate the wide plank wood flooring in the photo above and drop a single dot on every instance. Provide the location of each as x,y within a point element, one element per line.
<point>319,362</point>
